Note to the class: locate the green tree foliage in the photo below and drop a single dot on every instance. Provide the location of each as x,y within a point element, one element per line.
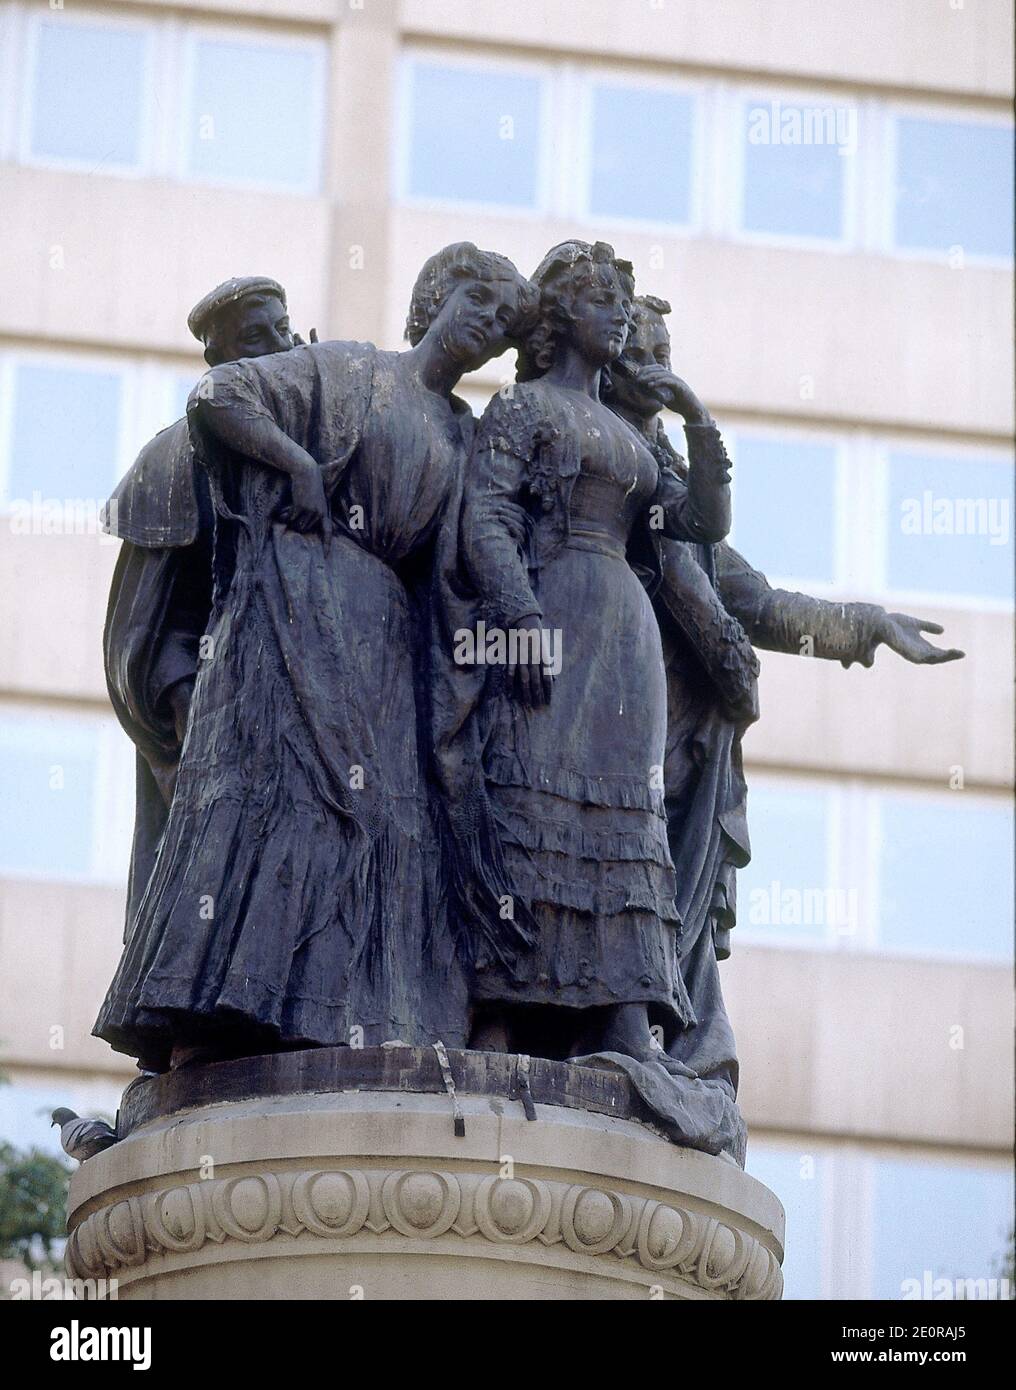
<point>33,1205</point>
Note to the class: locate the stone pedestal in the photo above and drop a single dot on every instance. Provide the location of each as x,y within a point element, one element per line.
<point>273,1178</point>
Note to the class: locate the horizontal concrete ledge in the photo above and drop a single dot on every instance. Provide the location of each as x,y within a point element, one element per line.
<point>312,1194</point>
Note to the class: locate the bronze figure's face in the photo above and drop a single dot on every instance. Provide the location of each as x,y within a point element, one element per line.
<point>648,342</point>
<point>601,309</point>
<point>648,345</point>
<point>475,319</point>
<point>472,304</point>
<point>257,326</point>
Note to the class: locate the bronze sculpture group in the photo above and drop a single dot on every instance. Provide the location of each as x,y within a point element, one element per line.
<point>346,833</point>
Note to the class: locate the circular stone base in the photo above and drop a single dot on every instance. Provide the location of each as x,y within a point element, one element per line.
<point>370,1193</point>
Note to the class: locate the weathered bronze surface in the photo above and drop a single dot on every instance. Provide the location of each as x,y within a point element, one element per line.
<point>415,1070</point>
<point>439,721</point>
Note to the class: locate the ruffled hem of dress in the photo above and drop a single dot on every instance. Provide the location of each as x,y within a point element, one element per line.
<point>150,1034</point>
<point>601,846</point>
<point>592,995</point>
<point>532,886</point>
<point>620,791</point>
<point>267,879</point>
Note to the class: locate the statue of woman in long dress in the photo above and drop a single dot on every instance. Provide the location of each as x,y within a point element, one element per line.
<point>295,879</point>
<point>713,609</point>
<point>572,767</point>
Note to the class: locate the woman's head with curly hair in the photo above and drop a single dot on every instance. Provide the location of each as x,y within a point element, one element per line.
<point>462,263</point>
<point>567,273</point>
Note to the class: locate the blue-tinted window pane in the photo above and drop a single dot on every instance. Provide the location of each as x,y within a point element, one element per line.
<point>254,113</point>
<point>182,387</point>
<point>181,384</point>
<point>474,135</point>
<point>947,875</point>
<point>88,94</point>
<point>47,812</point>
<point>954,186</point>
<point>65,437</point>
<point>785,506</point>
<point>796,1178</point>
<point>795,159</point>
<point>641,154</point>
<point>948,1220</point>
<point>784,891</point>
<point>950,525</point>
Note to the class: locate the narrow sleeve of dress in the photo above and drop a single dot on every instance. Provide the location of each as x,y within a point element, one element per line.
<point>497,475</point>
<point>780,620</point>
<point>235,386</point>
<point>708,482</point>
<point>697,508</point>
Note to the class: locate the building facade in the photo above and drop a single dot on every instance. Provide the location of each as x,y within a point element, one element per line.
<point>824,194</point>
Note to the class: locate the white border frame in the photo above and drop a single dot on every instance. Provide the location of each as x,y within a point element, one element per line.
<point>12,45</point>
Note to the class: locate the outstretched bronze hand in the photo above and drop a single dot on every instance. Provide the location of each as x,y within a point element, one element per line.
<point>902,633</point>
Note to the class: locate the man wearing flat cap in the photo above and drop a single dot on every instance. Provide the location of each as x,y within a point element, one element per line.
<point>245,316</point>
<point>161,596</point>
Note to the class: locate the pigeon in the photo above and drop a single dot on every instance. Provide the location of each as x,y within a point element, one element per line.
<point>82,1138</point>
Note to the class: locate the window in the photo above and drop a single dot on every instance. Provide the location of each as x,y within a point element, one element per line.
<point>867,517</point>
<point>954,186</point>
<point>70,427</point>
<point>950,525</point>
<point>181,385</point>
<point>785,894</point>
<point>937,1220</point>
<point>946,874</point>
<point>795,160</point>
<point>71,816</point>
<point>861,1222</point>
<point>796,1177</point>
<point>874,868</point>
<point>641,156</point>
<point>167,97</point>
<point>255,113</point>
<point>473,134</point>
<point>88,93</point>
<point>785,506</point>
<point>65,432</point>
<point>54,770</point>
